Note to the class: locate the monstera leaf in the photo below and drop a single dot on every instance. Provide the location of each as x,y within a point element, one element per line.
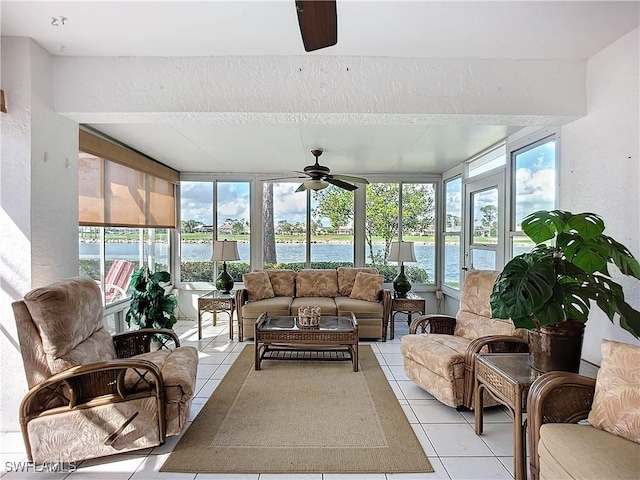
<point>561,282</point>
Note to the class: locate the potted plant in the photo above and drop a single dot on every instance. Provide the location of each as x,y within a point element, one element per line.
<point>151,306</point>
<point>551,289</point>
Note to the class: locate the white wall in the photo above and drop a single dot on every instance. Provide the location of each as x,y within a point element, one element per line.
<point>39,200</point>
<point>600,166</point>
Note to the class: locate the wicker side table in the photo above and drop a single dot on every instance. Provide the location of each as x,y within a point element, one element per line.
<point>410,304</point>
<point>507,377</point>
<point>213,302</point>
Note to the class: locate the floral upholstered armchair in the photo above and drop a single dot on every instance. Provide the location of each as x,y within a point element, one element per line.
<point>439,354</point>
<point>92,394</point>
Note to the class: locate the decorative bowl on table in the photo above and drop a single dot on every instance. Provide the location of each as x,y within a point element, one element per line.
<point>308,316</point>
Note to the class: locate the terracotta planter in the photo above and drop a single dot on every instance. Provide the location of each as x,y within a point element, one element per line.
<point>556,347</point>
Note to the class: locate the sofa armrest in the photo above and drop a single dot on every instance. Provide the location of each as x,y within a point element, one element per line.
<point>556,397</point>
<point>494,344</point>
<point>135,342</point>
<point>435,323</point>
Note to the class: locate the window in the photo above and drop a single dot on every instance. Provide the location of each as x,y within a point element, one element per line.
<point>452,231</point>
<point>201,223</point>
<point>494,158</point>
<point>126,211</point>
<point>404,211</point>
<point>332,215</point>
<point>534,187</point>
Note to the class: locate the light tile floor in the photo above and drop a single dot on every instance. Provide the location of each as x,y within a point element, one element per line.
<point>447,436</point>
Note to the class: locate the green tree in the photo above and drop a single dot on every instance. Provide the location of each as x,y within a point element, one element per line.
<point>490,218</point>
<point>382,212</point>
<point>190,226</point>
<point>237,226</point>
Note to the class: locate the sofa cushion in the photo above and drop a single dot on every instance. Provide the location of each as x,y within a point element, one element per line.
<point>258,286</point>
<point>360,308</point>
<point>442,354</point>
<point>327,305</point>
<point>568,450</point>
<point>283,282</point>
<point>274,306</point>
<point>317,283</point>
<point>616,403</point>
<point>347,277</point>
<point>367,286</point>
<point>478,285</point>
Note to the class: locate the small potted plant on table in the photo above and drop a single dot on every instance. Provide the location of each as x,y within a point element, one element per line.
<point>550,290</point>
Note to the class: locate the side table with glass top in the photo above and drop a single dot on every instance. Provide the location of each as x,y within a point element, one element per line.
<point>508,377</point>
<point>412,303</point>
<point>213,302</point>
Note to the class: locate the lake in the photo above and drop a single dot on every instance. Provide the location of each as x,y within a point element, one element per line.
<point>290,253</point>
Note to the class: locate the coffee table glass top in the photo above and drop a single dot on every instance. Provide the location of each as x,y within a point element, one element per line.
<point>291,323</point>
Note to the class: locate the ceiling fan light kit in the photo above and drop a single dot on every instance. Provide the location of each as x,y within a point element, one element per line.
<point>316,184</point>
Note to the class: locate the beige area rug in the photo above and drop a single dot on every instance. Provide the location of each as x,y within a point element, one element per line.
<point>296,416</point>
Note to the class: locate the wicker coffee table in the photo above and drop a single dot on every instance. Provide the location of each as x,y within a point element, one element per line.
<point>280,337</point>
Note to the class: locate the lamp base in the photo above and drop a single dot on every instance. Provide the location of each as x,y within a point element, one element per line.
<point>401,284</point>
<point>224,281</point>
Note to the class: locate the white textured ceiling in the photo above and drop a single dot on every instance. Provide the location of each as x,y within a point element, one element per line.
<point>447,29</point>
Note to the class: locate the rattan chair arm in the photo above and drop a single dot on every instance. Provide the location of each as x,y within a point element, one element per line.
<point>556,397</point>
<point>94,383</point>
<point>135,342</point>
<point>87,386</point>
<point>493,344</point>
<point>385,299</point>
<point>436,323</point>
<point>242,297</point>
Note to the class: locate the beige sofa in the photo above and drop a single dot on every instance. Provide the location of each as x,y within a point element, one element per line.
<point>606,447</point>
<point>336,292</point>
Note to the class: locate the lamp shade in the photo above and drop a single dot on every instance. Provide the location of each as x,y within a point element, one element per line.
<point>225,250</point>
<point>402,252</point>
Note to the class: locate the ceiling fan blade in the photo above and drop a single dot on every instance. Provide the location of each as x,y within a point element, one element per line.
<point>349,178</point>
<point>341,184</point>
<point>280,178</point>
<point>318,22</point>
<point>301,188</point>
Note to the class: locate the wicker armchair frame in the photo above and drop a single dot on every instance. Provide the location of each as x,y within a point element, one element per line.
<point>103,383</point>
<point>556,397</point>
<point>446,325</point>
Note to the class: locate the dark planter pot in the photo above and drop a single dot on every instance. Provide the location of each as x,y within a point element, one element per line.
<point>556,347</point>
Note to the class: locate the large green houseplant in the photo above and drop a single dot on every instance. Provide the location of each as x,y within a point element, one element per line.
<point>151,306</point>
<point>553,286</point>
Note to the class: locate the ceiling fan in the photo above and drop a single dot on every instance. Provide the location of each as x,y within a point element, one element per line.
<point>318,22</point>
<point>320,177</point>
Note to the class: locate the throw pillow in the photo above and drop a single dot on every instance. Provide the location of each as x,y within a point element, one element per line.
<point>316,283</point>
<point>347,276</point>
<point>616,403</point>
<point>258,286</point>
<point>283,282</point>
<point>367,286</point>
